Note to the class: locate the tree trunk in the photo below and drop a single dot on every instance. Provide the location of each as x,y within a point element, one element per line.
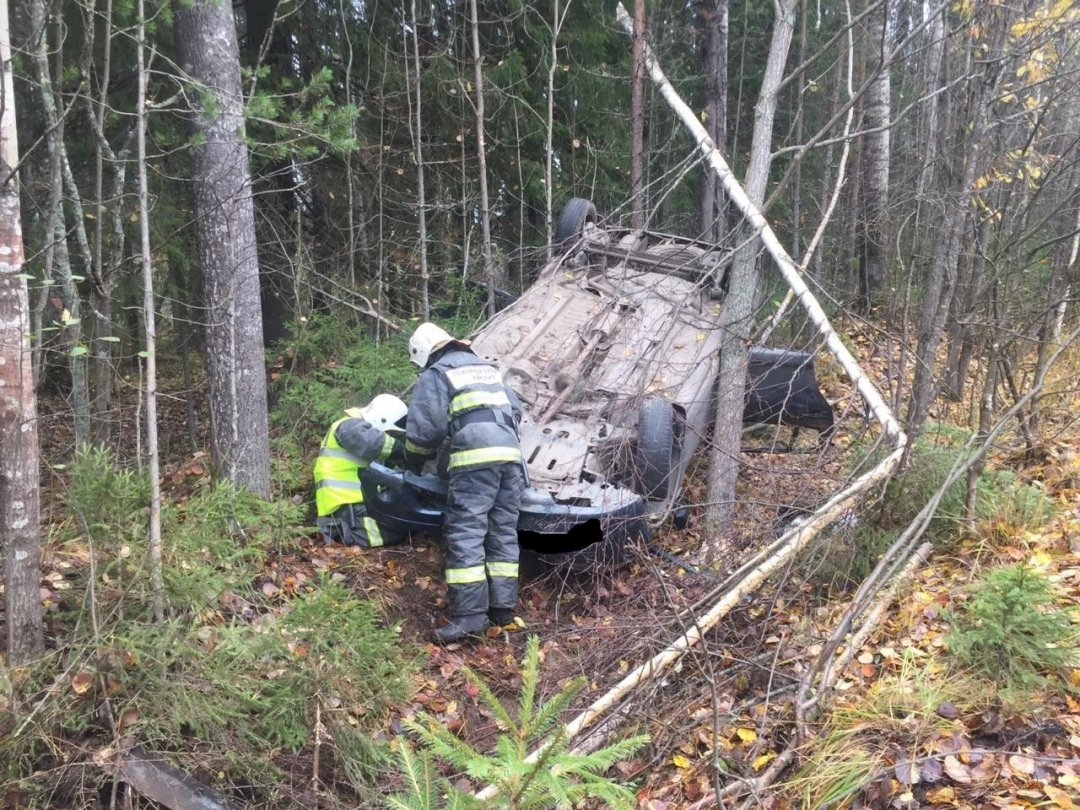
<point>481,155</point>
<point>743,285</point>
<point>935,54</point>
<point>637,119</point>
<point>205,36</point>
<point>56,237</point>
<point>157,580</point>
<point>713,23</point>
<point>874,234</point>
<point>939,285</point>
<point>418,156</point>
<point>102,275</point>
<point>20,527</point>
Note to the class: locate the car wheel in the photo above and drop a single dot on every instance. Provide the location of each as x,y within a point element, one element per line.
<point>657,450</point>
<point>575,214</point>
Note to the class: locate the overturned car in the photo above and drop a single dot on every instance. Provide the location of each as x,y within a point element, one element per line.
<point>614,354</point>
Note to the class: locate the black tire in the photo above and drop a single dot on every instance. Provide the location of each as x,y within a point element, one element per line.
<point>572,220</point>
<point>657,452</point>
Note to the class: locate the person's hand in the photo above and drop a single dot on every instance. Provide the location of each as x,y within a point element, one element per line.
<point>413,463</point>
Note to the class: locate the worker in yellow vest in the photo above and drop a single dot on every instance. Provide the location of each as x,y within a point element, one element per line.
<point>360,437</point>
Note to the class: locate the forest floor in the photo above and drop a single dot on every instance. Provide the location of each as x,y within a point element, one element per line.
<point>724,712</point>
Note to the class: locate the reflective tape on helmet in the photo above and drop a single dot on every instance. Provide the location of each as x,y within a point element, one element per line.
<point>469,400</point>
<point>330,482</point>
<point>412,447</point>
<point>375,538</point>
<point>502,569</point>
<point>463,576</point>
<point>484,455</point>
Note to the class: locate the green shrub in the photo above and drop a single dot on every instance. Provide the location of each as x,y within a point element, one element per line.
<point>331,365</point>
<point>217,541</point>
<point>1009,630</point>
<point>230,678</point>
<point>558,778</point>
<point>109,501</point>
<point>1004,506</point>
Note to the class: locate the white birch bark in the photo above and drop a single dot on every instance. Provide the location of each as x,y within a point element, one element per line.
<point>20,520</point>
<point>481,157</point>
<point>157,584</point>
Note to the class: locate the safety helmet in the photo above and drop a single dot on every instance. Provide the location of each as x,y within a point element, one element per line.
<point>426,339</point>
<point>386,412</point>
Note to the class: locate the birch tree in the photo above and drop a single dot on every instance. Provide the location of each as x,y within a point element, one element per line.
<point>874,233</point>
<point>20,530</point>
<point>637,119</point>
<point>481,156</point>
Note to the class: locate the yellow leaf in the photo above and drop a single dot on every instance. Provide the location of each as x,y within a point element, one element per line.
<point>747,735</point>
<point>1040,559</point>
<point>679,761</point>
<point>763,760</point>
<point>81,683</point>
<point>1058,796</point>
<point>941,795</point>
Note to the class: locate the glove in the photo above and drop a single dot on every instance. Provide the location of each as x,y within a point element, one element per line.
<point>413,462</point>
<point>397,453</point>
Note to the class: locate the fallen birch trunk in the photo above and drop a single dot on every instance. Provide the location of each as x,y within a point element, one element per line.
<point>796,538</point>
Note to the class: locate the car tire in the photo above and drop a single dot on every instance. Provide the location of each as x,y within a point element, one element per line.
<point>657,452</point>
<point>575,214</point>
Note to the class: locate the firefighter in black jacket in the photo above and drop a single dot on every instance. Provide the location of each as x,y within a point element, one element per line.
<point>461,398</point>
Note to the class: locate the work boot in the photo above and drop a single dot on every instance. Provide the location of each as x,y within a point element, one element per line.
<point>461,627</point>
<point>500,617</point>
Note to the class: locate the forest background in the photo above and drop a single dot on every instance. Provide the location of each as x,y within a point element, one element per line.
<point>227,218</point>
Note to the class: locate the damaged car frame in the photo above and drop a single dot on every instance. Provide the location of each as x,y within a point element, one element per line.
<point>614,354</point>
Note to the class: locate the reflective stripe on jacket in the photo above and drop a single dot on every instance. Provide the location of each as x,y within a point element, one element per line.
<point>350,445</point>
<point>456,383</point>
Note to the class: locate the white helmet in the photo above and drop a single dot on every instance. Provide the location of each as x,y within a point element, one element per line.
<point>385,412</point>
<point>426,339</point>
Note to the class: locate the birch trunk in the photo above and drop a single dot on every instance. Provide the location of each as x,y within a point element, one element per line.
<point>637,118</point>
<point>481,156</point>
<point>157,584</point>
<point>418,155</point>
<point>874,233</point>
<point>20,522</point>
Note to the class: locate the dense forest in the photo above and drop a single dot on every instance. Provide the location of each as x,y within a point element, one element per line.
<point>219,226</point>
